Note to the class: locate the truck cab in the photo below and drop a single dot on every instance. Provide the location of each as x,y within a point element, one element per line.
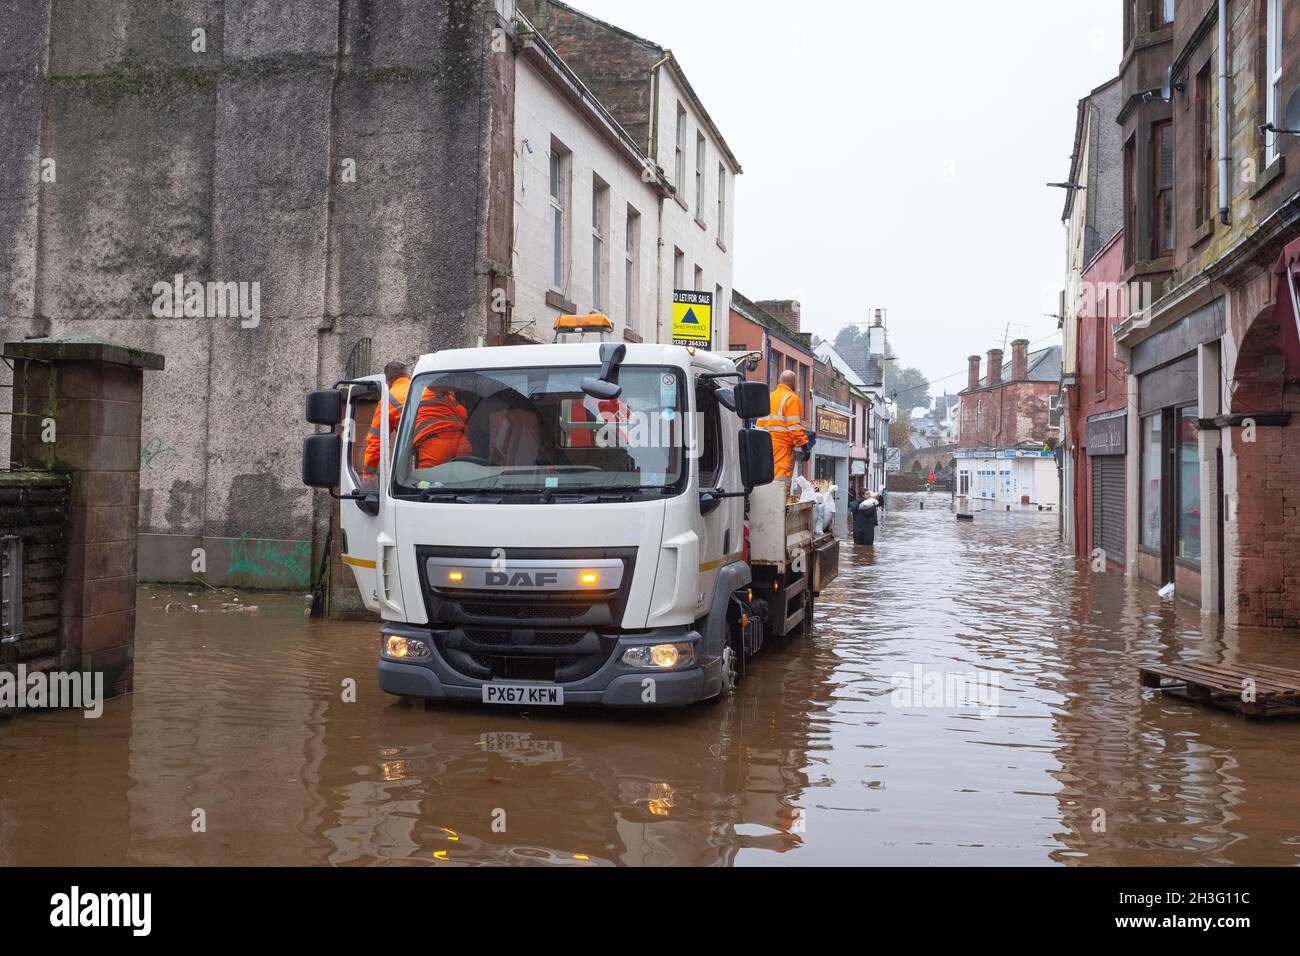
<point>552,524</point>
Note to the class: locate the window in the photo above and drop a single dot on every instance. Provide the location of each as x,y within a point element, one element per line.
<point>558,226</point>
<point>699,175</point>
<point>631,268</point>
<point>361,410</point>
<point>1164,12</point>
<point>11,587</point>
<point>679,166</point>
<point>1162,188</point>
<point>1189,486</point>
<point>1150,463</point>
<point>517,417</point>
<point>679,269</point>
<point>599,247</point>
<point>710,437</point>
<point>699,280</point>
<point>1204,151</point>
<point>963,484</point>
<point>1054,411</point>
<point>722,201</point>
<point>1130,21</point>
<point>1273,78</point>
<point>1130,203</point>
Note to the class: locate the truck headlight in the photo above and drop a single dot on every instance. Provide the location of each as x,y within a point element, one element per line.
<point>659,655</point>
<point>405,648</point>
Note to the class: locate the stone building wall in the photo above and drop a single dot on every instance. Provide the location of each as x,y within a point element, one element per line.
<point>336,153</point>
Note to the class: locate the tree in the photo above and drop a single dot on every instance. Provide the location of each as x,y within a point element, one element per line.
<point>900,432</point>
<point>910,389</point>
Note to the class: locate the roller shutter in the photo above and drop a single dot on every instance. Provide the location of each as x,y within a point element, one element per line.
<point>1108,506</point>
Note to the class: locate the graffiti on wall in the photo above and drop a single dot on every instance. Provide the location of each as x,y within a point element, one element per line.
<point>156,454</point>
<point>262,562</point>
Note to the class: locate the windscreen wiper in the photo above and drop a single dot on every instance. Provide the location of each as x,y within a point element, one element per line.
<point>427,496</point>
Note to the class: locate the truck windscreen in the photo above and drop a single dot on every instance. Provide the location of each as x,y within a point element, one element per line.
<point>533,432</point>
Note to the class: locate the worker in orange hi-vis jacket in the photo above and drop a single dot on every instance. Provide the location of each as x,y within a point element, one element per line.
<point>440,421</point>
<point>399,383</point>
<point>784,421</point>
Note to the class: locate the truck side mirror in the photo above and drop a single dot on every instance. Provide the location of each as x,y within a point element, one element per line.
<point>756,464</point>
<point>325,406</point>
<point>752,400</point>
<point>606,387</point>
<point>321,456</point>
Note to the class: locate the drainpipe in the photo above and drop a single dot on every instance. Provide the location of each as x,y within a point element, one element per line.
<point>659,271</point>
<point>653,159</point>
<point>654,106</point>
<point>1225,200</point>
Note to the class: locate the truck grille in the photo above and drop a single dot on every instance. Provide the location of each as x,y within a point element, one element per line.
<point>528,634</point>
<point>517,668</point>
<point>524,653</point>
<point>523,612</point>
<point>509,638</point>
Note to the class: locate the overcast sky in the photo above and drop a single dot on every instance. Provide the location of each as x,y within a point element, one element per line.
<point>895,154</point>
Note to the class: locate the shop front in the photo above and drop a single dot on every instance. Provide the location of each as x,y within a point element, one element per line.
<point>1170,464</point>
<point>1007,480</point>
<point>831,457</point>
<point>1105,442</point>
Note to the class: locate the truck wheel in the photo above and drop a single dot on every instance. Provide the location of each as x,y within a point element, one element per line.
<point>730,673</point>
<point>805,629</point>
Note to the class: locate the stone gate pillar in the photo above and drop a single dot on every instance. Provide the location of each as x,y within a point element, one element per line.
<point>76,409</point>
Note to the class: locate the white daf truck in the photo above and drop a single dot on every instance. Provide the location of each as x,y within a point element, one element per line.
<point>613,537</point>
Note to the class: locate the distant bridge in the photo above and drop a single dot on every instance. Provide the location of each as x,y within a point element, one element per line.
<point>937,459</point>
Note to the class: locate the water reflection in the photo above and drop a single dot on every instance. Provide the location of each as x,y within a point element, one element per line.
<point>242,744</point>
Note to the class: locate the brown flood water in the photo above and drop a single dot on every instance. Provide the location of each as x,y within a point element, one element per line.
<point>241,715</point>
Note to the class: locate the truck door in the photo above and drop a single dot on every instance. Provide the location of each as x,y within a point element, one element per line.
<point>360,520</point>
<point>716,534</point>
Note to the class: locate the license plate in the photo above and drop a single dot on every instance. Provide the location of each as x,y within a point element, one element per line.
<point>532,694</point>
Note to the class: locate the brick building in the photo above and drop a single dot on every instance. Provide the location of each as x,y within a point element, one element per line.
<point>1093,382</point>
<point>1010,417</point>
<point>1093,213</point>
<point>1211,234</point>
<point>1097,406</point>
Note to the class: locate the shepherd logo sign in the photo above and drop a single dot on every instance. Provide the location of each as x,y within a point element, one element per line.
<point>692,318</point>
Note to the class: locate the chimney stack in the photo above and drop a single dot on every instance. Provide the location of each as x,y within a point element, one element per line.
<point>1019,360</point>
<point>995,367</point>
<point>785,311</point>
<point>973,376</point>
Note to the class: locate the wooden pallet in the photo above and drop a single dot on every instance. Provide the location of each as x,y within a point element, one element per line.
<point>1276,690</point>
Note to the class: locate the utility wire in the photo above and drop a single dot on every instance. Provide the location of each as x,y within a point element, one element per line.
<point>955,374</point>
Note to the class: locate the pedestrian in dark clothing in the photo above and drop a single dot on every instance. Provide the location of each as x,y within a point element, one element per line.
<point>865,519</point>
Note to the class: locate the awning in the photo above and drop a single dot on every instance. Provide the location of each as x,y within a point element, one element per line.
<point>1287,310</point>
